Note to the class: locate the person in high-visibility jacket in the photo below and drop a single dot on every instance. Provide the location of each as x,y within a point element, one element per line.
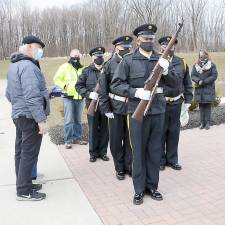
<point>66,77</point>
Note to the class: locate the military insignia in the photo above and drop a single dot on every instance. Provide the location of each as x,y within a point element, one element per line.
<point>99,49</point>
<point>168,39</point>
<point>150,27</point>
<point>127,38</point>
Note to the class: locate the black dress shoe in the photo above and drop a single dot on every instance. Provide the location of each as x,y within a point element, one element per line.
<point>120,175</point>
<point>104,158</point>
<point>162,167</point>
<point>207,126</point>
<point>93,158</point>
<point>174,166</point>
<point>154,194</point>
<point>202,126</point>
<point>138,199</point>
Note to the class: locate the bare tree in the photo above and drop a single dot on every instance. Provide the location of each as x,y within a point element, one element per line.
<point>93,23</point>
<point>195,10</point>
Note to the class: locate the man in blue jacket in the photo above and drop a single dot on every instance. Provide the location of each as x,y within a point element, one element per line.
<point>27,92</point>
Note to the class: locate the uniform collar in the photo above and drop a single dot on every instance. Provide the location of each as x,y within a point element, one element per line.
<point>117,58</point>
<point>92,67</point>
<point>138,55</point>
<point>175,60</point>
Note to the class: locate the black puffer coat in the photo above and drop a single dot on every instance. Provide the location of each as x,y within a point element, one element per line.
<point>204,93</point>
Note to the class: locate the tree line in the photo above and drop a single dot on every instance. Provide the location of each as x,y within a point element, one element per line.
<point>98,22</point>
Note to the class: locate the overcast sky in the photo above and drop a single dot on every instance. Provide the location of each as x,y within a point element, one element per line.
<point>48,3</point>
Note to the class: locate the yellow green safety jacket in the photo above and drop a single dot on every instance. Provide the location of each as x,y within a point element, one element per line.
<point>68,75</point>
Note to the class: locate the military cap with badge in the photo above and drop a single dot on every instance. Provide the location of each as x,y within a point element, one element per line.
<point>123,44</point>
<point>97,53</point>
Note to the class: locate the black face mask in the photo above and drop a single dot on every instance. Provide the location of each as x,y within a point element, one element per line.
<point>124,52</point>
<point>146,46</point>
<point>75,61</point>
<point>99,61</point>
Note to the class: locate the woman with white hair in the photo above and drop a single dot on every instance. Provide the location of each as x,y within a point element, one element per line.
<point>204,75</point>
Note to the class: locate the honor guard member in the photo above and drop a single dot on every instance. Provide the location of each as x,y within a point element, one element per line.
<point>98,124</point>
<point>115,108</point>
<point>174,99</point>
<point>145,136</point>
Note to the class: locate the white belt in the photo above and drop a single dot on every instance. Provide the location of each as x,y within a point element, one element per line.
<point>173,99</point>
<point>159,90</point>
<point>117,97</point>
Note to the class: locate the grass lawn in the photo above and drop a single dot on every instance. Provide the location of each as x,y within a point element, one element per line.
<point>50,65</point>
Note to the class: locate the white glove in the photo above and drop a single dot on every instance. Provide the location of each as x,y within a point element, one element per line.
<point>164,63</point>
<point>187,105</point>
<point>43,128</point>
<point>93,95</point>
<point>109,115</point>
<point>200,82</point>
<point>142,94</point>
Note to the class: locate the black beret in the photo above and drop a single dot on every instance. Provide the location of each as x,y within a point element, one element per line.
<point>145,29</point>
<point>97,51</point>
<point>32,39</point>
<point>165,40</point>
<point>123,40</point>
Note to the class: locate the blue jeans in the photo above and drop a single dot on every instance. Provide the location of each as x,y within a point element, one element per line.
<point>34,171</point>
<point>72,119</point>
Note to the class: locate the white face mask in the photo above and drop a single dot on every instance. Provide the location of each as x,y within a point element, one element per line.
<point>38,53</point>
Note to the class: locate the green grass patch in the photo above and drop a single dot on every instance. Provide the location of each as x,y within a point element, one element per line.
<point>49,67</point>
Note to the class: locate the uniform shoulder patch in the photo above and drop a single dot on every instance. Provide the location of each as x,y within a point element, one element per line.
<point>183,62</point>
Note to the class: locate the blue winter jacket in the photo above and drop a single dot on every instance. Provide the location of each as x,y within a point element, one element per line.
<point>26,89</point>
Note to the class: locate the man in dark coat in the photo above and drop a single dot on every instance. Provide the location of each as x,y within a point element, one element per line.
<point>28,94</point>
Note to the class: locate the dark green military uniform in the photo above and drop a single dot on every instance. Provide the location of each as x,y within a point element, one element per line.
<point>98,125</point>
<point>109,102</point>
<point>175,95</point>
<point>131,74</point>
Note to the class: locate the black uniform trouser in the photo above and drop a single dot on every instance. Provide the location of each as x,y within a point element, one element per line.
<point>120,143</point>
<point>27,147</point>
<point>171,134</point>
<point>205,112</point>
<point>146,139</point>
<point>98,134</point>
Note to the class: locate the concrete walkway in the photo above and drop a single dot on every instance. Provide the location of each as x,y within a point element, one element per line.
<point>192,196</point>
<point>65,203</point>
